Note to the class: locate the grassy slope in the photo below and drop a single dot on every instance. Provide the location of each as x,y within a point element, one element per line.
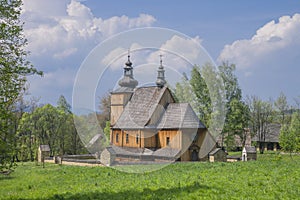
<point>271,177</point>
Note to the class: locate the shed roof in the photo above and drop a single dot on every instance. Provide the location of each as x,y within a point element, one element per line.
<point>44,147</point>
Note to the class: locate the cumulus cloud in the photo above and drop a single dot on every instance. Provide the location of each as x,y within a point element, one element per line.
<point>177,52</point>
<point>273,39</point>
<point>60,34</point>
<point>268,63</point>
<point>51,30</point>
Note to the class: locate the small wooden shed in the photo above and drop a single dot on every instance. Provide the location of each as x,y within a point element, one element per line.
<point>43,152</point>
<point>249,153</point>
<point>217,155</point>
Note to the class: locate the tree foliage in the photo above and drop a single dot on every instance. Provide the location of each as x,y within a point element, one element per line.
<point>104,107</point>
<point>261,115</point>
<point>237,112</point>
<point>281,106</point>
<point>201,92</point>
<point>290,135</point>
<point>14,67</point>
<point>48,125</point>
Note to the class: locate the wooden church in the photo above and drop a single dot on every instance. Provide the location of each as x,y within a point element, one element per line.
<point>147,123</point>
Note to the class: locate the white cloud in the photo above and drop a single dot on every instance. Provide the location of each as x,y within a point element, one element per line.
<point>65,53</point>
<point>280,38</point>
<point>268,63</point>
<point>60,34</point>
<point>176,51</point>
<point>51,30</point>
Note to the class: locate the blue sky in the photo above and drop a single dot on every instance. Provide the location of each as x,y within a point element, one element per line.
<point>261,37</point>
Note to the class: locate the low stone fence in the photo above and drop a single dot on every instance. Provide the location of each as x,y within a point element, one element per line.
<point>88,159</point>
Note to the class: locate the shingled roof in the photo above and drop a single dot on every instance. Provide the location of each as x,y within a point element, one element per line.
<point>272,135</point>
<point>179,115</point>
<point>140,108</point>
<point>144,102</point>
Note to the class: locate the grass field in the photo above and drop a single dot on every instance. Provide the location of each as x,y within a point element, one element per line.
<point>272,176</point>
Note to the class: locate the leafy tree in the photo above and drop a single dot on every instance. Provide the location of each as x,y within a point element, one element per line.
<point>216,92</point>
<point>204,91</point>
<point>63,105</point>
<point>261,115</point>
<point>104,108</point>
<point>237,112</point>
<point>107,130</point>
<point>201,92</point>
<point>282,107</point>
<point>237,121</point>
<point>232,88</point>
<point>14,68</point>
<point>290,135</point>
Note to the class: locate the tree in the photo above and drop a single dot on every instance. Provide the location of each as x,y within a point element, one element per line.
<point>203,105</point>
<point>184,93</point>
<point>237,121</point>
<point>104,107</point>
<point>261,115</point>
<point>290,135</point>
<point>63,105</point>
<point>14,68</point>
<point>282,107</point>
<point>237,112</point>
<point>48,125</point>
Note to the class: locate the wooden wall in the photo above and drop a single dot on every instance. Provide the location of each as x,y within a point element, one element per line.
<point>178,139</point>
<point>174,138</point>
<point>117,103</point>
<point>134,138</point>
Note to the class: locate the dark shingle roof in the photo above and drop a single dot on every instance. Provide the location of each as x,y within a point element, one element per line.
<point>272,135</point>
<point>179,115</point>
<point>140,108</point>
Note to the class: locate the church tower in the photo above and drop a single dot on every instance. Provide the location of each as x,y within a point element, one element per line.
<point>121,96</point>
<point>160,82</point>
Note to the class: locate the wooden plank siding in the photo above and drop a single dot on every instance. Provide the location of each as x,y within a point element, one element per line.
<point>174,137</point>
<point>118,102</point>
<point>128,138</point>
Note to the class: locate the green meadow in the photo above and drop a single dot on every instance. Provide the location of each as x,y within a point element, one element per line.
<point>272,176</point>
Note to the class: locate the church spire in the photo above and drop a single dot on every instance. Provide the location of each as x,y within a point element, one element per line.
<point>160,82</point>
<point>128,81</point>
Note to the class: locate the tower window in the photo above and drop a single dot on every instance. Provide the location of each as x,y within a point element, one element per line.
<point>117,138</point>
<point>127,138</point>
